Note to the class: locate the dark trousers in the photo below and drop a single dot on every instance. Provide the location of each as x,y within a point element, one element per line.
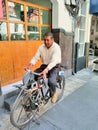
<point>52,76</point>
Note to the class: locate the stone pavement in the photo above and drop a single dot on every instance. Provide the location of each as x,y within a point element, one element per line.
<point>78,109</point>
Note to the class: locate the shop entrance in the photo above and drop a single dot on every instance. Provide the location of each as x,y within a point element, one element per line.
<point>22,27</point>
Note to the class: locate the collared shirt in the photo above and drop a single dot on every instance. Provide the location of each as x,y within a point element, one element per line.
<point>49,56</point>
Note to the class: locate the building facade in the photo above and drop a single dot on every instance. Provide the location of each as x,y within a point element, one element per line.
<point>94,34</point>
<point>23,24</point>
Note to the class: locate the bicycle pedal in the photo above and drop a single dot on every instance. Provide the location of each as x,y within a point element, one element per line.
<point>46,99</point>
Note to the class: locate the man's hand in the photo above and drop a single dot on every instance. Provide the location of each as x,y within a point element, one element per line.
<point>44,72</point>
<point>28,67</point>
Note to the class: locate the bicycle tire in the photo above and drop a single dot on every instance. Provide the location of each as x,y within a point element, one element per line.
<point>60,87</point>
<point>25,117</point>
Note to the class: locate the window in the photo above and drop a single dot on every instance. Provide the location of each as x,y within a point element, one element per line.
<point>82,29</point>
<point>82,36</point>
<point>2,9</point>
<point>83,9</point>
<point>33,33</point>
<point>83,22</point>
<point>3,31</point>
<point>45,19</point>
<point>24,21</point>
<point>92,32</point>
<point>93,22</point>
<point>81,49</point>
<point>97,26</point>
<point>17,31</point>
<point>15,11</point>
<point>44,30</point>
<point>14,14</point>
<point>32,15</point>
<point>96,38</point>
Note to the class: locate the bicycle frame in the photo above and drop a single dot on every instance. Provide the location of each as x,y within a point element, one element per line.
<point>35,85</point>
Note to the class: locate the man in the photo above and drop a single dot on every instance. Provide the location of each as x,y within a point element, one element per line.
<point>50,54</point>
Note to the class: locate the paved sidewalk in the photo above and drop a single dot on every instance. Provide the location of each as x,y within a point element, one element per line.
<point>78,109</point>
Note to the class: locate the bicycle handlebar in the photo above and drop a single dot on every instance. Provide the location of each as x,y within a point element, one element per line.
<point>35,73</point>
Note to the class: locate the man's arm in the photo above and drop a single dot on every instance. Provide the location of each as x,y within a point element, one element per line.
<point>44,72</point>
<point>34,60</point>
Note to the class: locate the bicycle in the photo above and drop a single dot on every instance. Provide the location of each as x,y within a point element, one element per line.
<point>32,96</point>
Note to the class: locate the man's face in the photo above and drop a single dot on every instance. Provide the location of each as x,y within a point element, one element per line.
<point>48,41</point>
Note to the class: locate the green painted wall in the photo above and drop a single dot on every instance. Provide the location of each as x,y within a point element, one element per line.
<point>44,3</point>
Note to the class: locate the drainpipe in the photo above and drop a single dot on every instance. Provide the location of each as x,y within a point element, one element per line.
<point>73,47</point>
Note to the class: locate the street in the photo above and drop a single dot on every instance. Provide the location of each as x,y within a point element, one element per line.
<point>78,110</point>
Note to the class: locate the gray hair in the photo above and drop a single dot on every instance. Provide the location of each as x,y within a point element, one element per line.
<point>49,34</point>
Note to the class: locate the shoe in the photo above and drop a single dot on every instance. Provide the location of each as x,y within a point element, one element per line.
<point>54,98</point>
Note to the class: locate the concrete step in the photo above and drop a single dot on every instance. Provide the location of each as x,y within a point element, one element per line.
<point>9,98</point>
<point>10,93</point>
<point>10,90</point>
<point>1,100</point>
<point>8,103</point>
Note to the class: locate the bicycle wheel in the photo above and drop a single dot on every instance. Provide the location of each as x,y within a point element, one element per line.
<point>60,87</point>
<point>23,110</point>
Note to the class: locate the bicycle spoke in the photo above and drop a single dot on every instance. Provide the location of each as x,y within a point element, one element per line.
<point>19,114</point>
<point>22,112</point>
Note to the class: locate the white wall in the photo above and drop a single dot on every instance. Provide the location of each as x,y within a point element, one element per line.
<point>60,16</point>
<point>88,22</point>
